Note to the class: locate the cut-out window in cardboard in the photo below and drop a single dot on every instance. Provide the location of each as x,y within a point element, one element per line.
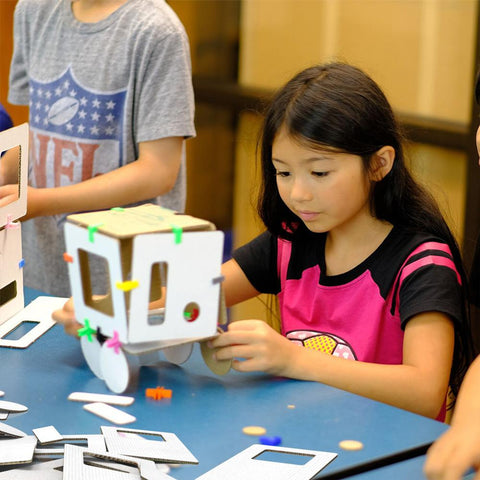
<point>57,448</point>
<point>13,205</point>
<point>259,462</point>
<point>283,457</point>
<point>92,265</point>
<point>191,311</point>
<point>37,314</point>
<point>14,171</point>
<point>10,172</point>
<point>8,292</point>
<point>80,463</point>
<point>20,330</point>
<point>152,445</point>
<point>158,283</point>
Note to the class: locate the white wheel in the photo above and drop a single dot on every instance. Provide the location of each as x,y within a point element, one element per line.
<point>91,353</point>
<point>118,368</point>
<point>178,354</point>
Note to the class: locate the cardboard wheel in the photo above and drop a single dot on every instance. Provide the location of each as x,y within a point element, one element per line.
<point>118,368</point>
<point>178,354</point>
<point>91,353</point>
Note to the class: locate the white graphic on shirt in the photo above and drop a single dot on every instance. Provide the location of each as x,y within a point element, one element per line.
<point>323,342</point>
<point>75,133</point>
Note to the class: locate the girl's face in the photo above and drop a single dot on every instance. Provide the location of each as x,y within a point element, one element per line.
<point>326,190</point>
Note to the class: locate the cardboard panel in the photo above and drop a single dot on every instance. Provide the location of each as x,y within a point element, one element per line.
<point>13,137</point>
<point>193,294</point>
<point>78,238</point>
<point>11,273</point>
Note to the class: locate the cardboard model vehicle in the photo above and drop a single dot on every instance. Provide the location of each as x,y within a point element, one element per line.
<point>149,256</point>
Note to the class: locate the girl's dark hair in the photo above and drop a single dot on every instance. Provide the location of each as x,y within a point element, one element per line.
<point>337,106</point>
<point>475,266</point>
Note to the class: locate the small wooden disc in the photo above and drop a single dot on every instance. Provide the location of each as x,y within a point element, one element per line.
<point>350,445</point>
<point>254,430</point>
<point>219,367</point>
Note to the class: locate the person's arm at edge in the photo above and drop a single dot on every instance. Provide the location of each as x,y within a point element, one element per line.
<point>153,173</point>
<point>458,449</point>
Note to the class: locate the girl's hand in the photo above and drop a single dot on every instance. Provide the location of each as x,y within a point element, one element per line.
<point>453,454</point>
<point>66,317</point>
<point>259,347</point>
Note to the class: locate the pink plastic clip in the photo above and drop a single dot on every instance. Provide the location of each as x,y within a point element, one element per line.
<point>114,342</point>
<point>11,223</point>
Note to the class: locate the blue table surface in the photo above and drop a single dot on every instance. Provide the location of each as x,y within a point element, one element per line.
<point>411,469</point>
<point>207,412</point>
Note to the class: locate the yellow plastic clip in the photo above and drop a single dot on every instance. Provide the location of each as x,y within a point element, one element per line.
<point>127,285</point>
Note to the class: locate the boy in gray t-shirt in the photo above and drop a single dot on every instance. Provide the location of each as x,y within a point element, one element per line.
<point>111,102</point>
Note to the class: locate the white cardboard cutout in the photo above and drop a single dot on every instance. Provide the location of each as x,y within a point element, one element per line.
<point>11,273</point>
<point>193,264</point>
<point>109,413</point>
<point>101,397</point>
<point>93,442</point>
<point>51,470</point>
<point>17,450</point>
<point>9,431</point>
<point>74,467</point>
<point>9,139</point>
<point>47,435</point>
<point>162,447</point>
<point>39,311</point>
<point>12,407</point>
<point>245,465</point>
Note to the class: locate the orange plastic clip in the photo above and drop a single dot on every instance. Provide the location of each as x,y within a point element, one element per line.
<point>158,393</point>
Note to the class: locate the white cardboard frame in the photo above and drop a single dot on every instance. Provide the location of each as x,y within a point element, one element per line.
<point>10,269</point>
<point>245,465</point>
<point>39,311</point>
<point>17,450</point>
<point>74,467</point>
<point>127,441</point>
<point>9,139</point>
<point>94,442</point>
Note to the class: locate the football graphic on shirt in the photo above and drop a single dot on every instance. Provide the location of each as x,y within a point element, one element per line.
<point>323,342</point>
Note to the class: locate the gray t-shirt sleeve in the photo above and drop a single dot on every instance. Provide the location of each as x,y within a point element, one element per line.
<point>18,88</point>
<point>167,86</point>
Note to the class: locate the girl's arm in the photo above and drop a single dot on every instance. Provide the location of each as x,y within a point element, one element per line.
<point>459,448</point>
<point>236,286</point>
<point>153,173</point>
<point>418,385</point>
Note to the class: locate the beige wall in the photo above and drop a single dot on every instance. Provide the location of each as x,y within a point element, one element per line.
<point>421,52</point>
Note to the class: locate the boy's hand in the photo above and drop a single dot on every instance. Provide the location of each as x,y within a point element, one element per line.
<point>8,194</point>
<point>258,346</point>
<point>66,316</point>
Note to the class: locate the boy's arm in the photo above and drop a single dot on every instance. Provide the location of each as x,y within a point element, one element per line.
<point>9,167</point>
<point>153,173</point>
<point>459,448</point>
